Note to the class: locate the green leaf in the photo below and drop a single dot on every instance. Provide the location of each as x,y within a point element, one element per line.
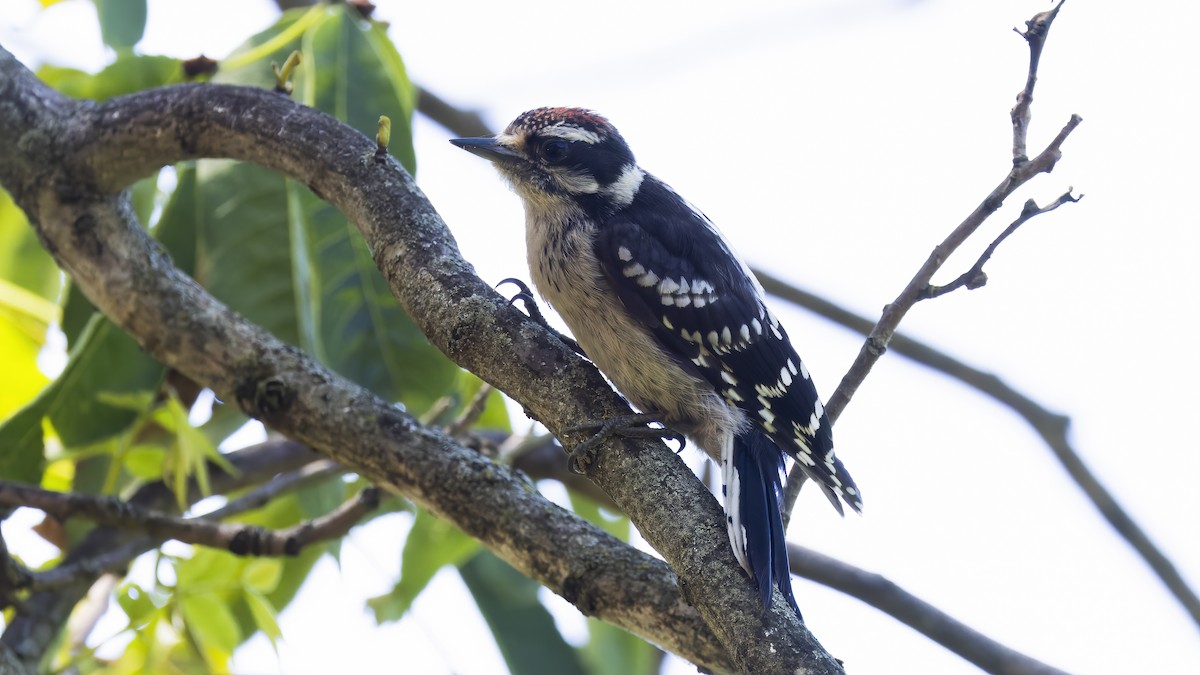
<point>261,575</point>
<point>122,22</point>
<point>23,261</point>
<point>29,284</point>
<point>615,524</point>
<point>431,544</point>
<point>22,457</point>
<point>209,571</point>
<point>210,623</point>
<point>23,327</point>
<point>105,362</point>
<point>264,616</point>
<point>285,259</point>
<point>144,461</point>
<point>522,627</point>
<point>136,604</point>
<point>612,651</point>
<point>129,73</point>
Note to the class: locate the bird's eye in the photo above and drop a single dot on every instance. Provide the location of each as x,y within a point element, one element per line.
<point>554,150</point>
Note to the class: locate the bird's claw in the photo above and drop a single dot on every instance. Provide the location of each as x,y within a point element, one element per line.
<point>627,426</point>
<point>525,295</point>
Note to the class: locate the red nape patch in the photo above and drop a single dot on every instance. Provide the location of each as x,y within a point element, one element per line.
<point>582,118</point>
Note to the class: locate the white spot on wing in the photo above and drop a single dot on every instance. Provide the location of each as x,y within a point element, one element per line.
<point>647,280</point>
<point>634,270</point>
<point>624,254</point>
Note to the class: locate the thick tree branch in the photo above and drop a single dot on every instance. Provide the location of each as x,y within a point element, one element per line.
<point>72,157</point>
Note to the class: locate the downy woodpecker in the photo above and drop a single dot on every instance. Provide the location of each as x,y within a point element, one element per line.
<point>662,305</point>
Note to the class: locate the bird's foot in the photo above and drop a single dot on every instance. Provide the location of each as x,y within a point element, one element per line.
<point>525,295</point>
<point>625,426</point>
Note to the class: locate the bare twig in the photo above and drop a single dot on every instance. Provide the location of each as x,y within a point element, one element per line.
<point>236,538</point>
<point>1022,171</point>
<point>975,277</point>
<point>1051,426</point>
<point>459,121</point>
<point>471,412</point>
<point>1036,30</point>
<point>309,474</point>
<point>106,549</point>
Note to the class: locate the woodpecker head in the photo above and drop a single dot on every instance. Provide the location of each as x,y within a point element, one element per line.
<point>556,155</point>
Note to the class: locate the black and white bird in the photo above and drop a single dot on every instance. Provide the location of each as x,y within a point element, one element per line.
<point>662,305</point>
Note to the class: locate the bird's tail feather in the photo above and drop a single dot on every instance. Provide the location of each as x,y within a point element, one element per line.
<point>754,510</point>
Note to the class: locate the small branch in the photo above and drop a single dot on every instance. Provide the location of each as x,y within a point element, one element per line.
<point>458,121</point>
<point>887,597</point>
<point>975,277</point>
<point>1051,426</point>
<point>471,413</point>
<point>1036,30</point>
<point>117,558</point>
<point>110,560</point>
<point>236,538</point>
<point>1021,172</point>
<point>57,591</point>
<point>306,475</point>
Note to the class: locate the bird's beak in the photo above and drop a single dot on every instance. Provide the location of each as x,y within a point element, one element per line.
<point>487,148</point>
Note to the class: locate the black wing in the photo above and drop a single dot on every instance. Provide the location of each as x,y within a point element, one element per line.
<point>677,275</point>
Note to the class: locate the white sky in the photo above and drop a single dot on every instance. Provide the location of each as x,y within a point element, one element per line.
<point>836,143</point>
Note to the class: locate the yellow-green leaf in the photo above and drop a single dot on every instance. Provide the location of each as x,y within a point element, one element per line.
<point>262,574</point>
<point>210,621</point>
<point>264,616</point>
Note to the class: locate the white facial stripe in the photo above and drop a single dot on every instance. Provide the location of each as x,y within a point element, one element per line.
<point>626,186</point>
<point>571,134</point>
<point>577,183</point>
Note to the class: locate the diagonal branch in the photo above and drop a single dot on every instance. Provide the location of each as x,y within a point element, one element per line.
<point>1022,171</point>
<point>65,171</point>
<point>975,277</point>
<point>1051,426</point>
<point>879,592</point>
